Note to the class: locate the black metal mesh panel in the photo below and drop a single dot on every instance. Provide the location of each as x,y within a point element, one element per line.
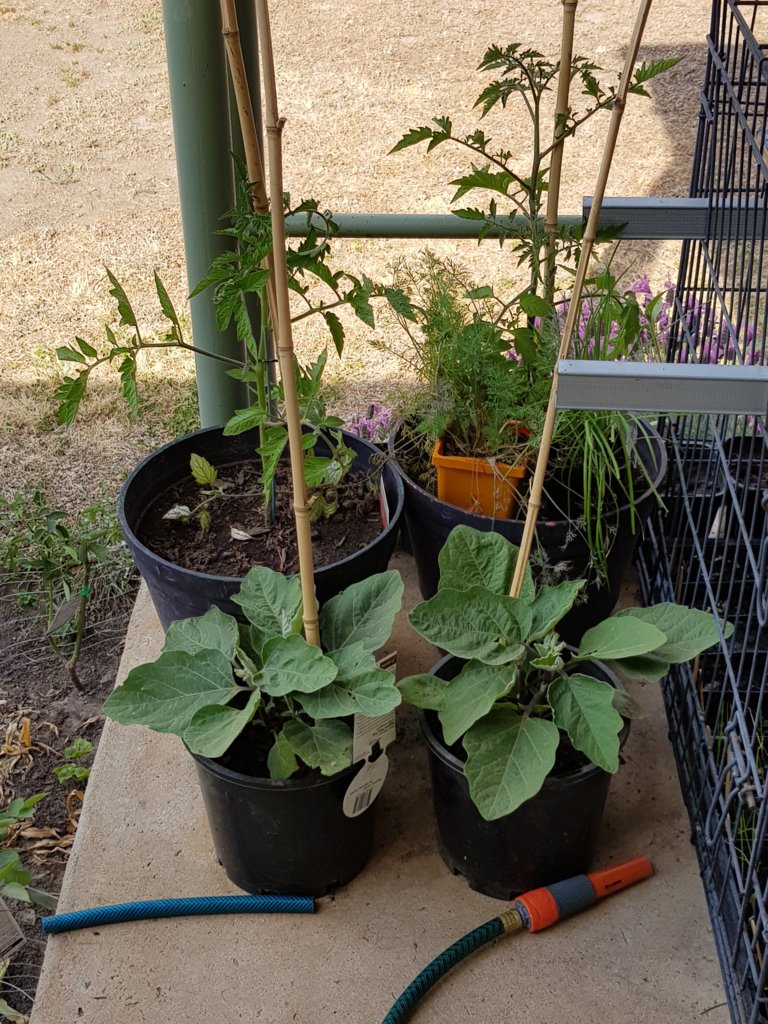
<point>709,549</point>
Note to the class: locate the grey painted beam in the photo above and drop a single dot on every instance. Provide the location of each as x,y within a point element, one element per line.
<point>404,225</point>
<point>642,219</point>
<point>683,219</point>
<point>663,387</point>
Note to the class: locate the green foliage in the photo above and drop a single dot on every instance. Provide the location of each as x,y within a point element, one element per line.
<point>520,693</point>
<point>239,278</point>
<point>63,565</point>
<point>7,1012</point>
<point>214,677</point>
<point>523,78</point>
<point>472,393</point>
<point>15,881</point>
<point>73,770</point>
<point>594,449</point>
<point>18,810</point>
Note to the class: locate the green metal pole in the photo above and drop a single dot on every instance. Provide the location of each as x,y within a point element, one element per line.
<point>197,75</point>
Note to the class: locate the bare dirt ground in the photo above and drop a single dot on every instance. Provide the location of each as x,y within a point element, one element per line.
<point>88,180</point>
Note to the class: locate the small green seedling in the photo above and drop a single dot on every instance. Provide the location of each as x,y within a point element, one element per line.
<point>73,770</point>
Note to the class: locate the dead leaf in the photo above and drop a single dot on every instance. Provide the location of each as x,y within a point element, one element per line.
<point>236,534</point>
<point>38,833</point>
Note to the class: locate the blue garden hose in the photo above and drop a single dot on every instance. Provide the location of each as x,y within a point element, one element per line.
<point>186,907</point>
<point>434,971</point>
<point>533,911</point>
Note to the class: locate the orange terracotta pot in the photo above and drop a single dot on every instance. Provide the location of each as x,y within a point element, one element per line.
<point>480,485</point>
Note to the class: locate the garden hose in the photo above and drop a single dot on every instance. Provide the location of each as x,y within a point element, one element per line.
<point>533,911</point>
<point>186,907</point>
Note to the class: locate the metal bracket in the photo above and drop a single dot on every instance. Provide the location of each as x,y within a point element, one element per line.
<point>663,387</point>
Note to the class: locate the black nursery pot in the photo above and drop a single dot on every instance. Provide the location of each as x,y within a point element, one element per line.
<point>180,593</point>
<point>288,837</point>
<point>429,521</point>
<point>550,837</point>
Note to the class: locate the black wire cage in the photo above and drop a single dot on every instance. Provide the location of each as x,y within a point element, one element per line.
<point>709,547</point>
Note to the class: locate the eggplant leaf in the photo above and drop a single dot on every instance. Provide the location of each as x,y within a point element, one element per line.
<point>167,693</point>
<point>363,613</point>
<point>620,637</point>
<point>508,759</point>
<point>326,745</point>
<point>214,729</point>
<point>583,707</point>
<point>213,631</point>
<point>474,623</point>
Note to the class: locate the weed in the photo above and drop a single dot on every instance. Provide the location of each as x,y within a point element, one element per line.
<point>73,770</point>
<point>73,74</point>
<point>150,21</point>
<point>63,565</point>
<point>63,176</point>
<point>7,1012</point>
<point>15,882</point>
<point>8,143</point>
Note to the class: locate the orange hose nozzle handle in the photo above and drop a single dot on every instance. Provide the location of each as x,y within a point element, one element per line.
<point>540,908</point>
<point>611,880</point>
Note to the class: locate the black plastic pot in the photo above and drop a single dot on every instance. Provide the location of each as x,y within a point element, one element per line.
<point>286,837</point>
<point>550,837</point>
<point>747,458</point>
<point>179,593</point>
<point>429,522</point>
<point>700,478</point>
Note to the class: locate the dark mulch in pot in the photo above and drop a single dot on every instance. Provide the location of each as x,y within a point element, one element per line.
<point>356,523</point>
<point>248,754</point>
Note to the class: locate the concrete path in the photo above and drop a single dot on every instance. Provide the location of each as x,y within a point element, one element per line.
<point>643,957</point>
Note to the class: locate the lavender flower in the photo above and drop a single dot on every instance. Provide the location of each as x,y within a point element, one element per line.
<point>375,425</point>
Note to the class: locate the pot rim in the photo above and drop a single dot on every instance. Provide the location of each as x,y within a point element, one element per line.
<point>234,778</point>
<point>394,514</point>
<point>651,434</point>
<point>437,747</point>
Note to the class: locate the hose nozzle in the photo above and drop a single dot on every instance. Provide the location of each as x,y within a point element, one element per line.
<point>540,908</point>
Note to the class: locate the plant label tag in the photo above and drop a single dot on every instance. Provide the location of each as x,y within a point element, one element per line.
<point>365,786</point>
<point>11,936</point>
<point>383,503</point>
<point>370,731</point>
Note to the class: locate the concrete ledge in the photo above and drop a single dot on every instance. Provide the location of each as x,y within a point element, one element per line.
<point>643,957</point>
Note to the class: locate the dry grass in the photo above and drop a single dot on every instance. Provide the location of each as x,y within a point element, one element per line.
<point>87,179</point>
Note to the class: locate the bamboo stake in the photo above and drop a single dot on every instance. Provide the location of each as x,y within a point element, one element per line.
<point>274,126</point>
<point>562,110</point>
<point>537,487</point>
<point>254,158</point>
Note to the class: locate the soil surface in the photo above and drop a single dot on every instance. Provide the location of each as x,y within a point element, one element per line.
<point>237,537</point>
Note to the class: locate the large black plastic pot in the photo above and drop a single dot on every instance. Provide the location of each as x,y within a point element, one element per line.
<point>747,458</point>
<point>180,593</point>
<point>429,521</point>
<point>550,837</point>
<point>286,837</point>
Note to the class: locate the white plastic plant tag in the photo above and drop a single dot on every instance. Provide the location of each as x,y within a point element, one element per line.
<point>365,786</point>
<point>11,936</point>
<point>370,731</point>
